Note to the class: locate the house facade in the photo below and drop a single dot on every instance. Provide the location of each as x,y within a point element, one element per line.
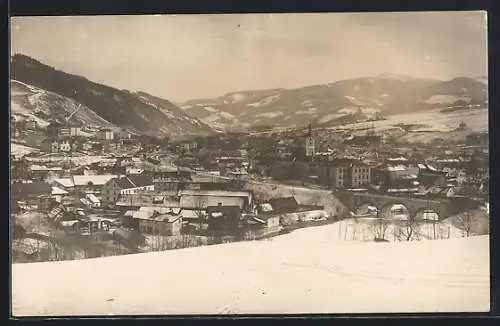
<point>50,146</point>
<point>344,173</point>
<point>126,185</point>
<point>106,134</point>
<point>222,219</point>
<point>65,146</point>
<point>91,183</point>
<point>31,124</point>
<point>165,224</point>
<point>201,199</point>
<point>75,130</point>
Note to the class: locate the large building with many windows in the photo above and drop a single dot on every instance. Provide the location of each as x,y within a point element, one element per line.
<point>343,173</point>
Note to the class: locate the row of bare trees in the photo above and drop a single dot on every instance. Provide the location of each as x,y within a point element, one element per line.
<point>412,228</point>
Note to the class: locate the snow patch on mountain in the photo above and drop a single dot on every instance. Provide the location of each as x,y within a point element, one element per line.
<point>329,117</point>
<point>482,79</point>
<point>443,99</point>
<point>308,111</point>
<point>400,77</point>
<point>236,97</point>
<point>226,115</point>
<point>265,101</point>
<point>41,101</point>
<point>210,109</point>
<point>270,115</point>
<point>31,88</point>
<point>306,103</point>
<point>168,113</point>
<point>219,117</point>
<point>359,110</point>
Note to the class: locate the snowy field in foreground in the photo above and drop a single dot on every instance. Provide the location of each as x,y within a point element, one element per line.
<point>307,271</point>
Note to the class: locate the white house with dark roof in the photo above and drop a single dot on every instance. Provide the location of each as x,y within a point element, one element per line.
<point>201,199</point>
<point>126,185</point>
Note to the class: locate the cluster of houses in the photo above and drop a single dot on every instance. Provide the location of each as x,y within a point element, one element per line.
<point>364,163</point>
<point>84,186</point>
<point>151,199</point>
<point>65,137</point>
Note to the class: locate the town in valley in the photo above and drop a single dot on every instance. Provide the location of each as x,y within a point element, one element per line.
<point>244,164</point>
<point>249,164</point>
<point>84,191</point>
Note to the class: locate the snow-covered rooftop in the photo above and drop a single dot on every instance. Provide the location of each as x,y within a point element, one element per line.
<point>93,199</point>
<point>58,191</point>
<point>397,168</point>
<point>96,180</point>
<point>65,182</point>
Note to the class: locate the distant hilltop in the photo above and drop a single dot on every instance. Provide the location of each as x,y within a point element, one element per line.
<point>49,93</point>
<point>339,102</point>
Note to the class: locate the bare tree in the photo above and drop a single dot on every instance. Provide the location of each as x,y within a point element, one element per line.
<point>464,222</point>
<point>355,226</point>
<point>200,204</point>
<point>380,229</point>
<point>408,229</point>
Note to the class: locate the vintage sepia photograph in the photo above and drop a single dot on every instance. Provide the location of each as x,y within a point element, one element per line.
<point>249,164</point>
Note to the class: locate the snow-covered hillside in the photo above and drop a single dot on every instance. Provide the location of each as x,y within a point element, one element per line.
<point>306,271</point>
<point>366,98</point>
<point>435,120</point>
<point>31,102</point>
<point>58,94</point>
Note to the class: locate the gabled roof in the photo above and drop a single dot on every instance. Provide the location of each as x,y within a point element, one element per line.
<point>218,193</point>
<point>65,182</point>
<point>428,180</point>
<point>190,214</point>
<point>161,210</point>
<point>58,191</point>
<point>169,217</point>
<point>96,180</point>
<point>93,199</point>
<point>134,181</point>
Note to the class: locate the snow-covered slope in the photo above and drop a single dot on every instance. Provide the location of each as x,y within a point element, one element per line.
<point>308,271</point>
<point>31,102</point>
<point>57,94</point>
<point>334,103</point>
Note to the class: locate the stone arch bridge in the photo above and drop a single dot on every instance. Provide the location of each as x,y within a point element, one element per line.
<point>444,207</point>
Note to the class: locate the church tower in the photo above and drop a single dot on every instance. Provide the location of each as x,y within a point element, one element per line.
<point>310,143</point>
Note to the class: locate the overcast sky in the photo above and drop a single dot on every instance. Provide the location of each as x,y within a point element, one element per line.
<point>195,56</point>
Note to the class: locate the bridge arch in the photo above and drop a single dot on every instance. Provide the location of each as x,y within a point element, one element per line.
<point>444,207</point>
<point>427,215</point>
<point>366,208</point>
<point>394,210</point>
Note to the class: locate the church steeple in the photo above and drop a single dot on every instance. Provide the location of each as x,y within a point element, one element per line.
<point>310,142</point>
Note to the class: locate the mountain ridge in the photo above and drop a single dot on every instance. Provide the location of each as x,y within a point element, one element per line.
<point>158,117</point>
<point>335,102</point>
